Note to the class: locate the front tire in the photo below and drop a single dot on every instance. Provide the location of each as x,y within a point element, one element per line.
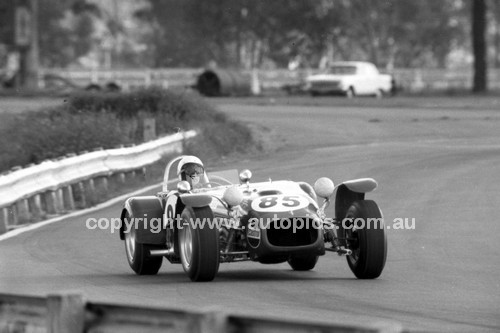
<point>350,93</point>
<point>138,257</point>
<point>199,244</point>
<point>368,243</point>
<point>303,262</point>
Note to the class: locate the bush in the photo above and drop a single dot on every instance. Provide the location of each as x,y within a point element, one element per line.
<point>36,136</point>
<point>92,120</point>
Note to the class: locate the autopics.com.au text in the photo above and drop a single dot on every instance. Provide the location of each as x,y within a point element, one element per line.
<point>155,225</point>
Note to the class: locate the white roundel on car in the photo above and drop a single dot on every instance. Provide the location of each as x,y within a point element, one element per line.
<point>279,203</point>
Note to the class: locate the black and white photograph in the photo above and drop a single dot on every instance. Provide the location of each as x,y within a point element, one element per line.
<point>249,166</point>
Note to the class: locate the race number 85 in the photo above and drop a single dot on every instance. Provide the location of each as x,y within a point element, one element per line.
<point>279,203</point>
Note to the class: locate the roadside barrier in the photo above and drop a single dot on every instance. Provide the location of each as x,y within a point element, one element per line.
<point>55,187</point>
<point>62,313</point>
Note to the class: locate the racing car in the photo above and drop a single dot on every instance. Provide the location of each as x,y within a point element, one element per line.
<point>201,220</point>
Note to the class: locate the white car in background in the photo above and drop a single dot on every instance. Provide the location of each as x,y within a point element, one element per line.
<point>350,78</point>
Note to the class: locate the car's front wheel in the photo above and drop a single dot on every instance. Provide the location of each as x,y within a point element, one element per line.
<point>199,244</point>
<point>363,232</point>
<point>138,255</point>
<point>350,93</point>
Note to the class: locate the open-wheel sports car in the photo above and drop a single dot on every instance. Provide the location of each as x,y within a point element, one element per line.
<point>203,219</point>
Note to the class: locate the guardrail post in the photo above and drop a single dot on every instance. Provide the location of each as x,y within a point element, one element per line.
<point>101,184</point>
<point>35,206</point>
<point>142,172</point>
<point>59,200</point>
<point>51,202</point>
<point>90,193</point>
<point>79,195</point>
<point>130,175</point>
<point>148,127</point>
<point>4,220</point>
<point>14,220</point>
<point>66,313</point>
<point>90,186</point>
<point>119,177</point>
<point>67,198</point>
<point>23,211</point>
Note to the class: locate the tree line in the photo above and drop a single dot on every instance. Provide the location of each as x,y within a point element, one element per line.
<point>270,34</point>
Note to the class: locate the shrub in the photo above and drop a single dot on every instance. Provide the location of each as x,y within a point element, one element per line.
<point>92,120</point>
<point>36,136</point>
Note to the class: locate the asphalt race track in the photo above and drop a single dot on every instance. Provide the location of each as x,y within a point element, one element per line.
<point>437,167</point>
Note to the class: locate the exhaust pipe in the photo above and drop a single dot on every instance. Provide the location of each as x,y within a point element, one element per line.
<point>161,253</point>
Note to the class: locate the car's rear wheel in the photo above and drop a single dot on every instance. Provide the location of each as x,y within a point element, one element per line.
<point>303,262</point>
<point>363,232</point>
<point>199,244</point>
<point>379,94</point>
<point>138,256</point>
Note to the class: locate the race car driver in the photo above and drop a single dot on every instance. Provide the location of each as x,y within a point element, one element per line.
<point>191,169</point>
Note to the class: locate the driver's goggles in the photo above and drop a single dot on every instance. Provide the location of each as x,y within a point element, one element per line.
<point>196,170</point>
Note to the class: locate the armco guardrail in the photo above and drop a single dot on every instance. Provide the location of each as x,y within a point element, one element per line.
<point>63,313</point>
<point>53,187</point>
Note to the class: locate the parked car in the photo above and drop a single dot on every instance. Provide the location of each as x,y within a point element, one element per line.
<point>350,78</point>
<point>223,217</point>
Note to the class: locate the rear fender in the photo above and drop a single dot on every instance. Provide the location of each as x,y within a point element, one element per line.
<point>147,212</point>
<point>350,191</point>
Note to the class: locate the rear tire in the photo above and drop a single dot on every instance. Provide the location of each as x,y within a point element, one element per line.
<point>303,262</point>
<point>368,244</point>
<point>199,247</point>
<point>138,257</point>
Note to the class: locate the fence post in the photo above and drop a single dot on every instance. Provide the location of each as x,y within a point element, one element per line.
<point>66,313</point>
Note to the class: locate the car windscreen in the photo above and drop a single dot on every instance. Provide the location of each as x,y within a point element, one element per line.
<point>342,70</point>
<point>224,177</point>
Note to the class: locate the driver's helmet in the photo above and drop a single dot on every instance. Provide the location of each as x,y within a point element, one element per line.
<point>190,169</point>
